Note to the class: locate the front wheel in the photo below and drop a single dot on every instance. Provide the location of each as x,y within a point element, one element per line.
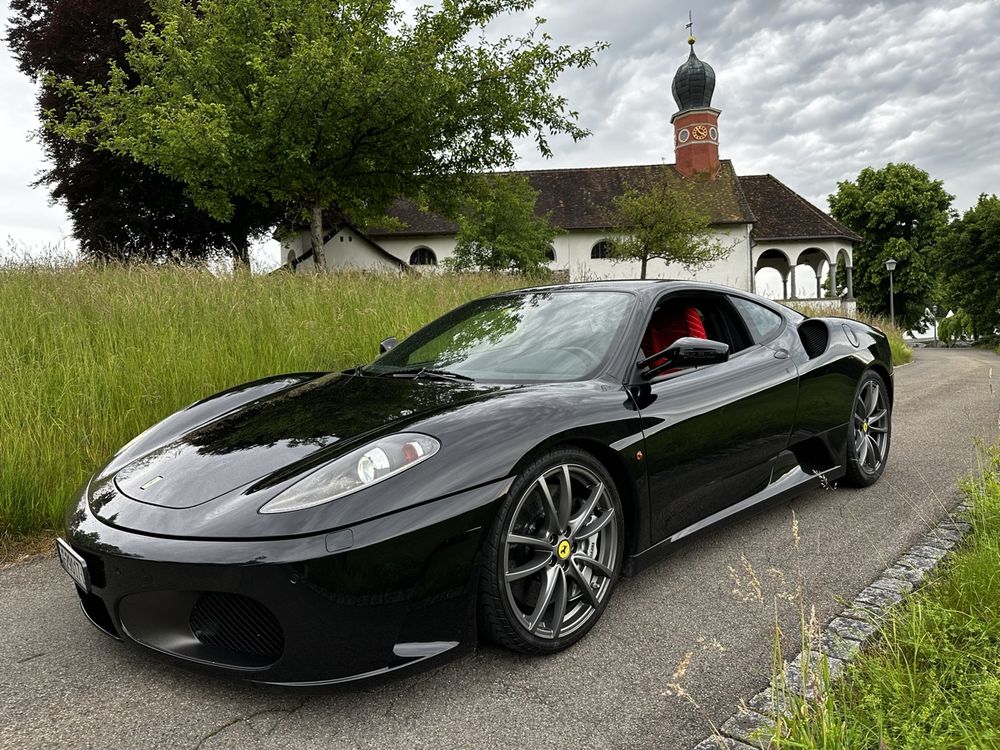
<point>869,432</point>
<point>554,554</point>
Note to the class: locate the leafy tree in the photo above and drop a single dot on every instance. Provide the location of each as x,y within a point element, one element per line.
<point>969,257</point>
<point>899,211</point>
<point>955,327</point>
<point>120,209</point>
<point>339,106</point>
<point>500,232</point>
<point>658,218</point>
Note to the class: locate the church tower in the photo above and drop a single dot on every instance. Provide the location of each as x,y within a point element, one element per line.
<point>696,124</point>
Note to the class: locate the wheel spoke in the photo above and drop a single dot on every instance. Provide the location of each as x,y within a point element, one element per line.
<point>551,515</point>
<point>582,583</point>
<point>877,417</point>
<point>877,429</point>
<point>593,564</point>
<point>871,398</point>
<point>565,498</point>
<point>559,600</point>
<point>862,450</point>
<point>588,509</point>
<point>597,524</point>
<point>875,451</point>
<point>529,541</point>
<point>537,563</point>
<point>544,598</point>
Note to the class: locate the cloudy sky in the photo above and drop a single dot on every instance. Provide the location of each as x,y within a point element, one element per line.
<point>811,91</point>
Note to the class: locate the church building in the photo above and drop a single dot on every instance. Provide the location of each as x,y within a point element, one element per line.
<point>768,225</point>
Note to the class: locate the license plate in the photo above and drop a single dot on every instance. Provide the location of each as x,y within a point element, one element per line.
<point>73,564</point>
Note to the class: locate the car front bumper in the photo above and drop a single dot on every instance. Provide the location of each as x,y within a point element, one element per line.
<point>383,595</point>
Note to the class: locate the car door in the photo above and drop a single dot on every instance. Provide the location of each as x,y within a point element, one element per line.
<point>713,433</point>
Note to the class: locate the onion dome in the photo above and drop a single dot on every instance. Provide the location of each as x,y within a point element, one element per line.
<point>694,83</point>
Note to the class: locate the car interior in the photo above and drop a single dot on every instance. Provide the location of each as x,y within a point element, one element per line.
<point>699,316</point>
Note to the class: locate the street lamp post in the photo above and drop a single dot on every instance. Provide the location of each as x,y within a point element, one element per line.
<point>890,266</point>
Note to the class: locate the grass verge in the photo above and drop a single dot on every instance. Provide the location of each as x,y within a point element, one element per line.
<point>91,357</point>
<point>933,679</point>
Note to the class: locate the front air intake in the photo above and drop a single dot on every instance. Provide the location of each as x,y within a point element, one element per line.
<point>237,623</point>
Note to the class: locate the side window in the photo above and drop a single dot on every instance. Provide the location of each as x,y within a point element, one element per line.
<point>763,323</point>
<point>704,316</point>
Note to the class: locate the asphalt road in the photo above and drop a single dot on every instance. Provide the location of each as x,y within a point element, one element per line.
<point>677,649</point>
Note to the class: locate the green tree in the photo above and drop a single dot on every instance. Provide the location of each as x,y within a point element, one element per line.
<point>969,259</point>
<point>499,230</point>
<point>120,210</point>
<point>657,217</point>
<point>899,211</point>
<point>956,327</point>
<point>339,107</point>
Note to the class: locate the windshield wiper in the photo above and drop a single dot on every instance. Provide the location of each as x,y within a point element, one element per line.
<point>423,372</point>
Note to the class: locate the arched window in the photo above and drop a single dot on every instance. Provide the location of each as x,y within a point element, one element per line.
<point>600,250</point>
<point>550,254</point>
<point>423,256</point>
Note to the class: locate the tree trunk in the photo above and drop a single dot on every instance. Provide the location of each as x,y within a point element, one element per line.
<point>239,236</point>
<point>241,253</point>
<point>642,274</point>
<point>316,227</point>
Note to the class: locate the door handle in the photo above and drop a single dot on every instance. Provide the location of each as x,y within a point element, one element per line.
<point>781,354</point>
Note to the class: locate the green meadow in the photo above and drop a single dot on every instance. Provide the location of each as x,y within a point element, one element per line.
<point>90,357</point>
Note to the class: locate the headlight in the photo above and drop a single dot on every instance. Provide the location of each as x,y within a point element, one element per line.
<point>360,468</point>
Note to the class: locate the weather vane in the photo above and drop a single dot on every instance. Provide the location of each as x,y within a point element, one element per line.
<point>690,28</point>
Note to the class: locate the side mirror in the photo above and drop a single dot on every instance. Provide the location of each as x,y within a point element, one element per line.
<point>387,344</point>
<point>686,352</point>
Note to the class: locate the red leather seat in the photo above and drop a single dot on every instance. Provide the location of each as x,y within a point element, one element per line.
<point>670,323</point>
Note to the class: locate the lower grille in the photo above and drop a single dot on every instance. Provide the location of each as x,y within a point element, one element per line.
<point>237,623</point>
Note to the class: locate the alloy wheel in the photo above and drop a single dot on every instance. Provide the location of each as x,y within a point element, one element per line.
<point>871,427</point>
<point>559,551</point>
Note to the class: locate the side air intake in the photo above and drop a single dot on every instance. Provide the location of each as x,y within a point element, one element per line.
<point>815,336</point>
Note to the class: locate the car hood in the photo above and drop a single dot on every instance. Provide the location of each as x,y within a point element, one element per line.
<point>270,439</point>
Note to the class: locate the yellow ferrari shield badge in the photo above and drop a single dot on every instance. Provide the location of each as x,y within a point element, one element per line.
<point>563,549</point>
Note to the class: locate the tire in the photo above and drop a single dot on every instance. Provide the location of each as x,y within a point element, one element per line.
<point>542,556</point>
<point>869,432</point>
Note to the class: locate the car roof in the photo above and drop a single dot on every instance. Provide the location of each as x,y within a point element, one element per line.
<point>641,287</point>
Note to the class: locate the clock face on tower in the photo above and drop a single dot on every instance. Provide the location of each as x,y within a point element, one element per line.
<point>700,132</point>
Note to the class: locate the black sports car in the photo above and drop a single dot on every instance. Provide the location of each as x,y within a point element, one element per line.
<point>492,475</point>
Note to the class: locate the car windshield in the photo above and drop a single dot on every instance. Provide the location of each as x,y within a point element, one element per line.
<point>538,336</point>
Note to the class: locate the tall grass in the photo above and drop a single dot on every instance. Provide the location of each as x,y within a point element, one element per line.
<point>91,357</point>
<point>901,353</point>
<point>933,680</point>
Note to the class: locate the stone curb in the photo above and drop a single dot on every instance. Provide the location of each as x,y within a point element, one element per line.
<point>842,639</point>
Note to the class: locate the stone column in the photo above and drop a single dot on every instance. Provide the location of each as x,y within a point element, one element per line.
<point>793,295</point>
<point>784,286</point>
<point>833,280</point>
<point>819,286</point>
<point>850,282</point>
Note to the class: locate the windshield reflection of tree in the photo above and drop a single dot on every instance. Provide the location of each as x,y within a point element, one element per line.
<point>484,331</point>
<point>538,335</point>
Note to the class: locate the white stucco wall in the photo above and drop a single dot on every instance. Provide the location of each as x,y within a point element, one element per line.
<point>346,250</point>
<point>573,255</point>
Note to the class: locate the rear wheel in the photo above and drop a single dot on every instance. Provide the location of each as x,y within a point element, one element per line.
<point>554,554</point>
<point>869,432</point>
